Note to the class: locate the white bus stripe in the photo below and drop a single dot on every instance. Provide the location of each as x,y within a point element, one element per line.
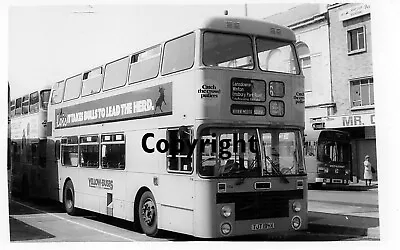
<point>77,223</point>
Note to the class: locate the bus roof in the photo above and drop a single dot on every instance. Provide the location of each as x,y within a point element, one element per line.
<point>249,26</point>
<point>314,135</point>
<point>46,87</point>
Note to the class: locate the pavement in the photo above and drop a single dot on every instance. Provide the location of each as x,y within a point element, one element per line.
<point>328,212</point>
<point>354,186</point>
<point>357,219</point>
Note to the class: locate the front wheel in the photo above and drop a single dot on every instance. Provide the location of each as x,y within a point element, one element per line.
<point>69,198</point>
<point>147,213</point>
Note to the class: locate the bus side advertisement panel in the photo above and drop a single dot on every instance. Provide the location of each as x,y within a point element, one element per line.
<point>149,102</point>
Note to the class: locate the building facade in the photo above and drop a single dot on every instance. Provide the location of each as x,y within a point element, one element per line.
<point>335,51</point>
<point>310,24</point>
<point>352,80</point>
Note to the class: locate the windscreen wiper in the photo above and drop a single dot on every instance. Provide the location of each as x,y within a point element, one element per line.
<point>266,158</point>
<point>276,169</point>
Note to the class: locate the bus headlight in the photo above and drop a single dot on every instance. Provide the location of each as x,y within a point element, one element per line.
<point>296,222</point>
<point>226,211</point>
<point>226,228</point>
<point>296,206</point>
<point>347,171</point>
<point>326,170</point>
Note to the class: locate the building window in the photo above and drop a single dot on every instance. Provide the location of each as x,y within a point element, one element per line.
<point>305,63</point>
<point>356,40</point>
<point>362,92</point>
<point>177,158</point>
<point>113,151</point>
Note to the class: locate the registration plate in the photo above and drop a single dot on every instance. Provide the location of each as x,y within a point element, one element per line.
<point>260,226</point>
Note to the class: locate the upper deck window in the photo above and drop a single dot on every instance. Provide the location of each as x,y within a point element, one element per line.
<point>276,56</point>
<point>145,64</point>
<point>58,92</point>
<point>44,99</point>
<point>91,82</point>
<point>72,88</point>
<point>115,73</point>
<point>178,54</point>
<point>18,106</point>
<point>12,107</point>
<point>34,102</point>
<point>227,50</point>
<point>25,104</point>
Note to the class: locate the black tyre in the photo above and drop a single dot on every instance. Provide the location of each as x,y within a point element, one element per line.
<point>69,198</point>
<point>317,185</point>
<point>147,214</point>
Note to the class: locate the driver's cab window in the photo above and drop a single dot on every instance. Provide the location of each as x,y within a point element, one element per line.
<point>281,149</point>
<point>326,152</point>
<point>228,153</point>
<point>178,159</point>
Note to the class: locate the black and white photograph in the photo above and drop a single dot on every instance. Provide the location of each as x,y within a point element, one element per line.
<point>196,122</point>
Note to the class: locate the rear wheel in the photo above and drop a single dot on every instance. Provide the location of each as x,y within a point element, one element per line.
<point>69,198</point>
<point>318,185</point>
<point>147,214</point>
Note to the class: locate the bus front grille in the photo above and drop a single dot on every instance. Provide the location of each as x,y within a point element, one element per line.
<point>260,205</point>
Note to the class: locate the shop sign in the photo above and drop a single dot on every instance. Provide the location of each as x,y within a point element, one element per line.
<point>347,121</point>
<point>354,11</point>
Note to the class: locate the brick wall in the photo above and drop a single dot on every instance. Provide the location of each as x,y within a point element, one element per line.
<point>344,66</point>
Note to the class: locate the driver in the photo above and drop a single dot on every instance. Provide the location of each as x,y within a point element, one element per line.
<point>229,166</point>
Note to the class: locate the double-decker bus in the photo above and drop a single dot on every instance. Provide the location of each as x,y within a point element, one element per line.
<point>200,134</point>
<point>328,157</point>
<point>9,142</point>
<point>29,175</point>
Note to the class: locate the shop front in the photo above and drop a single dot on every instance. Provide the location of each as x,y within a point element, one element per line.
<point>361,128</point>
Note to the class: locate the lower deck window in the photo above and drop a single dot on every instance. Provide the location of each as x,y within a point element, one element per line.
<point>179,161</point>
<point>69,155</point>
<point>89,155</point>
<point>113,151</point>
<point>69,151</point>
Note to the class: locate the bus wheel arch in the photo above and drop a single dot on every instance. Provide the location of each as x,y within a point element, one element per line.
<point>146,212</point>
<point>69,197</point>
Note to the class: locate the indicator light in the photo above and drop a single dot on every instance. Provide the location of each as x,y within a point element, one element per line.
<point>277,108</point>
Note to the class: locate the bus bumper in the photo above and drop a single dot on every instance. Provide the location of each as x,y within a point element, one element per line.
<point>331,181</point>
<point>295,222</point>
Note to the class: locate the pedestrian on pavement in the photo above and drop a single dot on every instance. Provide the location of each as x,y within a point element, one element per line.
<point>367,171</point>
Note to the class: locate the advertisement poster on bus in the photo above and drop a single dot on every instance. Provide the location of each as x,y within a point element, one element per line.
<point>149,102</point>
<point>26,127</point>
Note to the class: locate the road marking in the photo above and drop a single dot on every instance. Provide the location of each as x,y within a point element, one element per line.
<point>74,222</point>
